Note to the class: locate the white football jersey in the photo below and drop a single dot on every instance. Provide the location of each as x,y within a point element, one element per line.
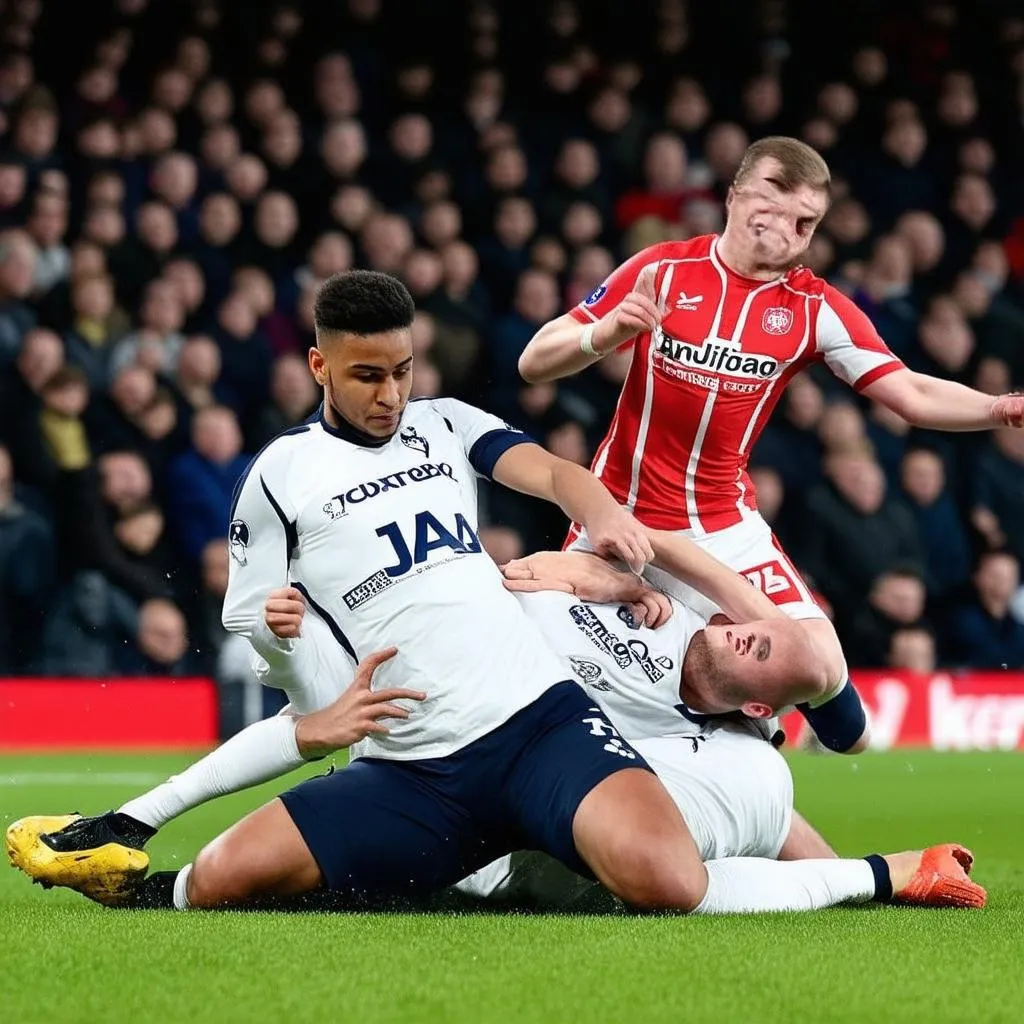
<point>632,672</point>
<point>382,540</point>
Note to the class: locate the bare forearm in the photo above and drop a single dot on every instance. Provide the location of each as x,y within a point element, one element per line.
<point>731,592</point>
<point>579,494</point>
<point>554,352</point>
<point>937,404</point>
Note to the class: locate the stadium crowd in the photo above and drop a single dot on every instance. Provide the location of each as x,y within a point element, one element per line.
<point>176,179</point>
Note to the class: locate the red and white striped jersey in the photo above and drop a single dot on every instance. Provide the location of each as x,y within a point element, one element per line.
<point>702,386</point>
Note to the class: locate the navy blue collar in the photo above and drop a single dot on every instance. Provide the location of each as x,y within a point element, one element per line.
<point>346,431</point>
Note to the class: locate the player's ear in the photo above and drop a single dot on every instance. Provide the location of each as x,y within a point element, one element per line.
<point>754,709</point>
<point>317,365</point>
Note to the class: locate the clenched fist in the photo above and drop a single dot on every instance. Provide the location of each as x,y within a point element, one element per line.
<point>283,612</point>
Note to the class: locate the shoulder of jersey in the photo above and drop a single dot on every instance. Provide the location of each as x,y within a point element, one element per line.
<point>681,249</point>
<point>282,447</point>
<point>803,279</point>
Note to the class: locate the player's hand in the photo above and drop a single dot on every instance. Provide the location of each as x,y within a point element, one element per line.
<point>614,533</point>
<point>355,714</point>
<point>1008,411</point>
<point>283,612</point>
<point>638,313</point>
<point>590,578</point>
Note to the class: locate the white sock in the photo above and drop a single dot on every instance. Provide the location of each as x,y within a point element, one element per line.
<point>262,751</point>
<point>749,885</point>
<point>181,889</point>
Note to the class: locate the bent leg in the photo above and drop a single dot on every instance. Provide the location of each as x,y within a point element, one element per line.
<point>631,835</point>
<point>262,855</point>
<point>374,833</point>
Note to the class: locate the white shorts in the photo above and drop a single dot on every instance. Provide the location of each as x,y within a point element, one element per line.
<point>733,788</point>
<point>751,549</point>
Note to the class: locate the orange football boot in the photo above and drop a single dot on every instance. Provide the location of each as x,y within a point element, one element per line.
<point>941,880</point>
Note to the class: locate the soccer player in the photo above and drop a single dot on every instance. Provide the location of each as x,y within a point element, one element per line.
<point>718,326</point>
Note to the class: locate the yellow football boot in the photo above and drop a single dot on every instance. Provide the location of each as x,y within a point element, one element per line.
<point>77,853</point>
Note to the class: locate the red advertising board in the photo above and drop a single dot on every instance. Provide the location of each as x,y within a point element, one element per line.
<point>46,714</point>
<point>969,711</point>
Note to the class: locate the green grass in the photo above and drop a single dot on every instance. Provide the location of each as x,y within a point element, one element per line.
<point>66,960</point>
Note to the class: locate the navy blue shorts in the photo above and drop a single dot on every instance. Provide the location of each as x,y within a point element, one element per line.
<point>382,829</point>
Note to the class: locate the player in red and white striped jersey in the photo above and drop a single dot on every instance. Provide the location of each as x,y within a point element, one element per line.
<point>719,325</point>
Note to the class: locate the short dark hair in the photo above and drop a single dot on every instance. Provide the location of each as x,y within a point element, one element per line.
<point>362,302</point>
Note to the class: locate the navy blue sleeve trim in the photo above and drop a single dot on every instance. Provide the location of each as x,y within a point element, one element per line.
<point>840,722</point>
<point>291,533</point>
<point>335,629</point>
<point>490,447</point>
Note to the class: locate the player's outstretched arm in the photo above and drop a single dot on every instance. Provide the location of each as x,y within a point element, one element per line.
<point>627,305</point>
<point>612,531</point>
<point>691,564</point>
<point>936,404</point>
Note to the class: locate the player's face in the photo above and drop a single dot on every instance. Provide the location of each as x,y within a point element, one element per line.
<point>762,666</point>
<point>366,378</point>
<point>773,228</point>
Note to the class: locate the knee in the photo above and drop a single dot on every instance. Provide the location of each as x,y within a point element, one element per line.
<point>651,879</point>
<point>216,879</point>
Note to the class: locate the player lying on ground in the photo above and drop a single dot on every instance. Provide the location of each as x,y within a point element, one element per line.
<point>733,788</point>
<point>718,327</point>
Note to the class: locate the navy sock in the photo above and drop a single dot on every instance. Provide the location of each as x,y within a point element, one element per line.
<point>883,883</point>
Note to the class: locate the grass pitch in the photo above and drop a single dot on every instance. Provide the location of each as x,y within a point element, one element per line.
<point>65,960</point>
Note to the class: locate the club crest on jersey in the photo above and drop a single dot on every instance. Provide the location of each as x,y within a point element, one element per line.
<point>777,320</point>
<point>589,673</point>
<point>595,295</point>
<point>238,541</point>
<point>411,439</point>
<point>716,356</point>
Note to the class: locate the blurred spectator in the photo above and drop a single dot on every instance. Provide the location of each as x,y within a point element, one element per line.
<point>997,494</point>
<point>895,601</point>
<point>157,343</point>
<point>18,256</point>
<point>48,224</point>
<point>21,406</point>
<point>201,481</point>
<point>789,443</point>
<point>983,633</point>
<point>91,501</point>
<point>536,302</point>
<point>947,555</point>
<point>161,642</point>
<point>89,343</point>
<point>859,532</point>
<point>26,577</point>
<point>293,396</point>
<point>913,649</point>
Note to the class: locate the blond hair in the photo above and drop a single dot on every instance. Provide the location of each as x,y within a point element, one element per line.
<point>799,164</point>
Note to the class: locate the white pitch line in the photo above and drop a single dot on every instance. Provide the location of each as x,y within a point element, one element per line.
<point>80,779</point>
